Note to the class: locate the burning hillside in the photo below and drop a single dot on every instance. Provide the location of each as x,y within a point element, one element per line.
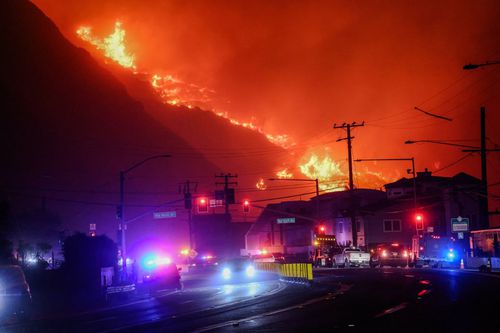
<point>176,92</point>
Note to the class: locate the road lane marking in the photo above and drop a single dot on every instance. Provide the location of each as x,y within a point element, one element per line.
<point>392,310</point>
<point>235,323</point>
<point>423,292</point>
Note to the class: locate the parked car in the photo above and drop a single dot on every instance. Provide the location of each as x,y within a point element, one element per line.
<point>393,254</point>
<point>351,257</point>
<point>15,294</point>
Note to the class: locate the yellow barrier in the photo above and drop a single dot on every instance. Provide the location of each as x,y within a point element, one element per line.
<point>299,271</point>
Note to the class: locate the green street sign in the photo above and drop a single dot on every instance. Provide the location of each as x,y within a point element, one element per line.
<point>285,220</point>
<point>164,215</point>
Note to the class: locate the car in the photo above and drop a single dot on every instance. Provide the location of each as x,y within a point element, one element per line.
<point>238,270</point>
<point>393,254</point>
<point>15,294</point>
<point>351,256</point>
<point>161,272</point>
<point>203,263</point>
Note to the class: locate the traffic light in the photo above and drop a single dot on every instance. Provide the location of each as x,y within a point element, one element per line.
<point>246,206</point>
<point>119,212</point>
<point>202,205</point>
<point>419,221</point>
<point>188,204</point>
<point>320,229</point>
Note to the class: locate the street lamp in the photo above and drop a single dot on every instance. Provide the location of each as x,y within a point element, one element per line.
<point>121,210</point>
<point>412,159</point>
<point>439,142</point>
<point>474,66</point>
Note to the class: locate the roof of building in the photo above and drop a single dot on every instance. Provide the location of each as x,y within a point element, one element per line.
<point>461,178</point>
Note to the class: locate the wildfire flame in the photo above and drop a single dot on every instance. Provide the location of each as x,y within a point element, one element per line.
<point>284,174</point>
<point>112,45</point>
<point>326,170</point>
<point>261,185</point>
<point>170,89</point>
<point>176,92</point>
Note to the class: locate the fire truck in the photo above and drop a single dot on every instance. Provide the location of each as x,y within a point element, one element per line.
<point>325,246</point>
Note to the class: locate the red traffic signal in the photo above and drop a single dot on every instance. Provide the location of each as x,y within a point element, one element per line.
<point>320,229</point>
<point>202,205</point>
<point>419,221</point>
<point>246,206</point>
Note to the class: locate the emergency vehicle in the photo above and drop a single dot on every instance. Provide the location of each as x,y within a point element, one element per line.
<point>325,246</point>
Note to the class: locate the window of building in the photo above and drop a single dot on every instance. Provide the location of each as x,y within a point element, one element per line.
<point>392,225</point>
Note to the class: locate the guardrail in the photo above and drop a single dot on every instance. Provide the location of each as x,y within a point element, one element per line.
<point>293,272</point>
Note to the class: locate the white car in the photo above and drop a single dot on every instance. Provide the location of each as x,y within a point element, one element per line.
<point>351,257</point>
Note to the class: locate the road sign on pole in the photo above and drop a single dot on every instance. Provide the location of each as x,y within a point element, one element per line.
<point>285,220</point>
<point>459,224</point>
<point>164,215</point>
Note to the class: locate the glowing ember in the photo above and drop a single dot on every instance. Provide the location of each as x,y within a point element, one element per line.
<point>112,45</point>
<point>261,185</point>
<point>284,174</point>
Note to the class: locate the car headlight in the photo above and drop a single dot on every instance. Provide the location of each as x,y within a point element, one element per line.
<point>226,273</point>
<point>250,270</point>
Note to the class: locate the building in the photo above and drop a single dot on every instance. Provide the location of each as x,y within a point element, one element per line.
<point>381,216</point>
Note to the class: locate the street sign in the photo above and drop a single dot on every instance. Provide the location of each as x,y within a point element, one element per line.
<point>285,220</point>
<point>459,224</point>
<point>164,215</point>
<point>430,229</point>
<point>460,235</point>
<point>92,226</point>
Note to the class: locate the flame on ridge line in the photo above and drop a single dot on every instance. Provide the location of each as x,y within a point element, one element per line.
<point>170,89</point>
<point>176,92</point>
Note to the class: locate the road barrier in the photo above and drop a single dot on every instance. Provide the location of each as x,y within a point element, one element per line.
<point>293,272</point>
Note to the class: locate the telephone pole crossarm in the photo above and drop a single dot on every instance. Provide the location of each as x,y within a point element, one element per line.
<point>349,138</point>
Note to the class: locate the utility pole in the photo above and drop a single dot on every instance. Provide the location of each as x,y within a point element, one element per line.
<point>351,180</point>
<point>188,204</point>
<point>484,181</point>
<point>483,200</point>
<point>226,184</point>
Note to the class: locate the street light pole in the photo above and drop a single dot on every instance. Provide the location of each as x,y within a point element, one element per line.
<point>123,222</point>
<point>474,66</point>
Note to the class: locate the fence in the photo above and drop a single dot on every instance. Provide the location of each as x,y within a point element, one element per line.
<point>299,272</point>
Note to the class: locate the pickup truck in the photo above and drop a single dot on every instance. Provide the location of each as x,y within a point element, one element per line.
<point>351,257</point>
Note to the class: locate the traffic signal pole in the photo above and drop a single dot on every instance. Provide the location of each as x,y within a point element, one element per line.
<point>226,184</point>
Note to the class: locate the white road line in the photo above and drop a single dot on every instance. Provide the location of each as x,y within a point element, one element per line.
<point>392,310</point>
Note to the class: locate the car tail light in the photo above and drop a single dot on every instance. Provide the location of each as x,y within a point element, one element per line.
<point>384,253</point>
<point>405,253</point>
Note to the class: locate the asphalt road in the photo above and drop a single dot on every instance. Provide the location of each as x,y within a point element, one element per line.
<point>364,300</point>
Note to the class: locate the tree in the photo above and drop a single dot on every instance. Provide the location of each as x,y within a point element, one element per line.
<point>84,257</point>
<point>6,248</point>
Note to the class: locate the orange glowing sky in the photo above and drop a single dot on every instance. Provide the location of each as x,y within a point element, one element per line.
<point>297,67</point>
